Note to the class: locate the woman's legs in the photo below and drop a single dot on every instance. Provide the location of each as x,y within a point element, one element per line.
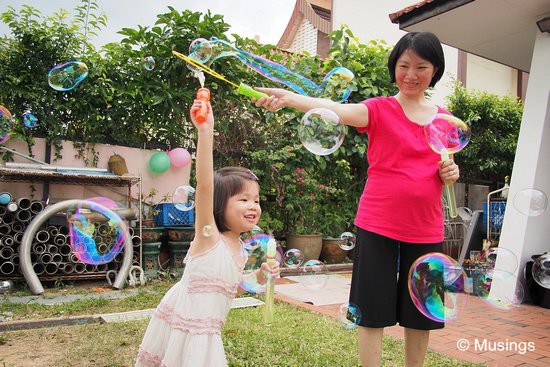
<point>416,344</point>
<point>370,345</point>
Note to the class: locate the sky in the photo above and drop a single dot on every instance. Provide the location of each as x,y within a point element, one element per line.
<point>248,18</point>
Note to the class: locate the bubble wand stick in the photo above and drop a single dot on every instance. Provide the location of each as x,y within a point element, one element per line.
<point>270,285</point>
<point>242,88</point>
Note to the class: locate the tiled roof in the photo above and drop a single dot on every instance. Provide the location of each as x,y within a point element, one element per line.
<point>394,17</point>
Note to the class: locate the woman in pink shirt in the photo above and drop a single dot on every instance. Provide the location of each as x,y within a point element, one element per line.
<point>400,216</point>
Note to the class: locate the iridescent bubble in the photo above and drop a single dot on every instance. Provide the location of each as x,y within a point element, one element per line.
<point>507,260</point>
<point>29,120</point>
<point>447,134</point>
<point>436,286</point>
<point>320,131</point>
<point>348,241</point>
<point>255,247</point>
<point>541,270</point>
<point>349,315</point>
<point>336,84</point>
<point>149,63</point>
<point>293,258</point>
<point>85,220</point>
<point>501,299</point>
<point>314,274</point>
<point>531,202</point>
<point>66,76</point>
<point>184,198</point>
<point>6,124</point>
<point>250,239</point>
<point>200,50</point>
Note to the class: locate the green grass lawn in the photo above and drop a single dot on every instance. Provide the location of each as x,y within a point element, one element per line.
<point>296,338</point>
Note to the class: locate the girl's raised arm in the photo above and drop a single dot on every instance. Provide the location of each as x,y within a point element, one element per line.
<point>205,238</point>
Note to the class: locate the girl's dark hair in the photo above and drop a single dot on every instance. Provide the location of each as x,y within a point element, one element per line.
<point>228,181</point>
<point>426,45</point>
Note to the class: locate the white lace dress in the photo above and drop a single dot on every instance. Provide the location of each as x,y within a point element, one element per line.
<point>185,329</point>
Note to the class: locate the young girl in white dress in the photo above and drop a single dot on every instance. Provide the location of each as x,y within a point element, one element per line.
<point>185,329</point>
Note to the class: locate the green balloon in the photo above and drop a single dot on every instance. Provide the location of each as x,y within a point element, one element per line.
<point>159,162</point>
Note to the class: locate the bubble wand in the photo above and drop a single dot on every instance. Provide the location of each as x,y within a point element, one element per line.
<point>446,135</point>
<point>270,285</point>
<point>242,88</point>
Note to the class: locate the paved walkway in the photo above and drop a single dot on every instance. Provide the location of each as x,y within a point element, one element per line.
<point>517,337</point>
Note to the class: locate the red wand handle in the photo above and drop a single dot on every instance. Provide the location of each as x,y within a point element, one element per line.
<point>203,94</point>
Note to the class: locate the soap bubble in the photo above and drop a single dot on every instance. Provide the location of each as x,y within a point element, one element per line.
<point>531,202</point>
<point>184,198</point>
<point>66,76</point>
<point>447,134</point>
<point>436,286</point>
<point>507,260</point>
<point>320,131</point>
<point>293,258</point>
<point>149,63</point>
<point>200,50</point>
<point>29,120</point>
<point>256,246</point>
<point>348,241</point>
<point>84,220</point>
<point>6,124</point>
<point>349,315</point>
<point>503,300</point>
<point>314,274</point>
<point>541,270</point>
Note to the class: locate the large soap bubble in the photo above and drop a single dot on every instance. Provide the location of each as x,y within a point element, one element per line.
<point>531,202</point>
<point>320,131</point>
<point>436,286</point>
<point>66,76</point>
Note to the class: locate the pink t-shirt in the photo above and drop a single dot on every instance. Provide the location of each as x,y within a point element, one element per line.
<point>402,195</point>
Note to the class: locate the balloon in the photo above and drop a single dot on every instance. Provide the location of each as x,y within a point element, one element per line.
<point>179,157</point>
<point>159,162</point>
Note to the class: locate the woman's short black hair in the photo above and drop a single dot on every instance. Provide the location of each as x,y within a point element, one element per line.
<point>426,45</point>
<point>228,181</point>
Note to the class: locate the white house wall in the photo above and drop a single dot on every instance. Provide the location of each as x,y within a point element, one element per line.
<point>489,76</point>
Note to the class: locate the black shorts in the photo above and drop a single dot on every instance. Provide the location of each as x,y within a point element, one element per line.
<point>382,297</point>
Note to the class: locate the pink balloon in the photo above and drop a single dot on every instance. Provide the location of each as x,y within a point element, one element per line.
<point>179,157</point>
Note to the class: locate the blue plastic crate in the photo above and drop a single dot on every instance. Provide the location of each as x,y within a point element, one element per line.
<point>497,213</point>
<point>169,215</point>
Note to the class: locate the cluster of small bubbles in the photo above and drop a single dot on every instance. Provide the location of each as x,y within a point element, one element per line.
<point>541,270</point>
<point>348,241</point>
<point>6,124</point>
<point>29,120</point>
<point>320,131</point>
<point>349,315</point>
<point>149,63</point>
<point>293,258</point>
<point>66,76</point>
<point>183,198</point>
<point>530,202</point>
<point>436,286</point>
<point>314,274</point>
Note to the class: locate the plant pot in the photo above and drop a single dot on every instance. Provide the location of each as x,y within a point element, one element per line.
<point>310,245</point>
<point>149,235</point>
<point>177,251</point>
<point>331,252</point>
<point>181,234</point>
<point>148,223</point>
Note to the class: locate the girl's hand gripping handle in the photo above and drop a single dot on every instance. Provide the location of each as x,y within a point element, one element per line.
<point>203,94</point>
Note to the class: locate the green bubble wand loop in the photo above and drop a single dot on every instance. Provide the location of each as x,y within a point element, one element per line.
<point>242,88</point>
<point>447,134</point>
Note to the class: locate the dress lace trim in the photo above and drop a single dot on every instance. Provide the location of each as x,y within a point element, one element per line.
<point>149,359</point>
<point>203,284</point>
<point>199,325</point>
